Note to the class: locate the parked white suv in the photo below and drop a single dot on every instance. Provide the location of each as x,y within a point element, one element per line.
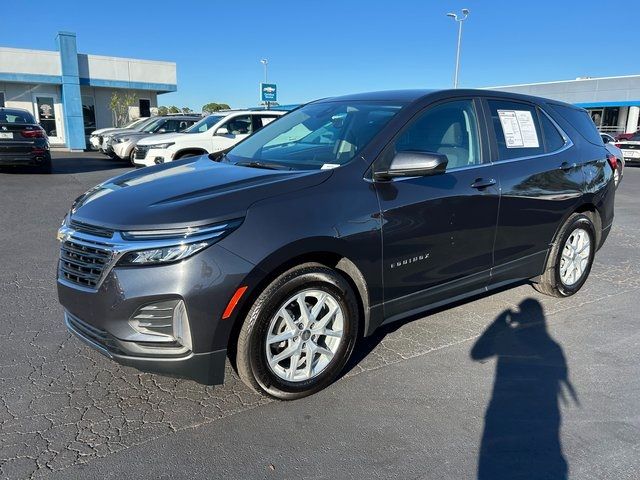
<point>214,133</point>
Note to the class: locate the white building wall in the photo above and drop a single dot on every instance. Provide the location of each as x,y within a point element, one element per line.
<point>126,69</point>
<point>36,62</point>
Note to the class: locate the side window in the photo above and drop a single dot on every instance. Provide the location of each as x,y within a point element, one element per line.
<point>171,126</point>
<point>239,125</point>
<point>580,120</point>
<point>553,140</point>
<point>262,121</point>
<point>517,129</point>
<point>1,99</point>
<point>450,129</point>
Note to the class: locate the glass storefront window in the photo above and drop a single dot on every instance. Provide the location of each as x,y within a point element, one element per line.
<point>88,114</point>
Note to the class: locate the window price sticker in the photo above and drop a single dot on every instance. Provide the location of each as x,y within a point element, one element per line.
<point>519,129</point>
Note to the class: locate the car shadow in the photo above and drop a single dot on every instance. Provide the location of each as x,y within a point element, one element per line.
<point>366,345</point>
<point>521,436</point>
<point>71,165</point>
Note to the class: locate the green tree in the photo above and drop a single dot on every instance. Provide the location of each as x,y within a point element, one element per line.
<point>174,109</point>
<point>214,107</point>
<point>119,105</point>
<point>163,110</point>
<point>186,110</point>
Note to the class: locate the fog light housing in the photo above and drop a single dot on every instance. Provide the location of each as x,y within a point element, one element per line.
<point>162,323</point>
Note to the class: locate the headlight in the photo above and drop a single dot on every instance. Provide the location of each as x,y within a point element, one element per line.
<point>167,246</point>
<point>160,146</point>
<point>162,255</point>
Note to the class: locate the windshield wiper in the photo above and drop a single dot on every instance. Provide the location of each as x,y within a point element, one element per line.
<point>267,166</point>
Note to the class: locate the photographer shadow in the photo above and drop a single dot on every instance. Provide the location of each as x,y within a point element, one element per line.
<point>521,438</point>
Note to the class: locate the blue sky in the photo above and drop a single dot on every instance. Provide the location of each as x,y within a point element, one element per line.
<point>323,48</point>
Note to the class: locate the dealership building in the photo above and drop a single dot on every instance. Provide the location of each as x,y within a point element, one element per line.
<point>69,92</point>
<point>613,102</point>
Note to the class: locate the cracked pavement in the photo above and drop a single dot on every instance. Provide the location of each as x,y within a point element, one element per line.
<point>66,409</point>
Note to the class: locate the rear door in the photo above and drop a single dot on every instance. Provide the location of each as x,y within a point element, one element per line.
<point>541,180</point>
<point>438,231</point>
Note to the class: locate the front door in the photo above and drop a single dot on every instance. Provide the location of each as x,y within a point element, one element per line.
<point>238,128</point>
<point>438,231</point>
<point>47,115</point>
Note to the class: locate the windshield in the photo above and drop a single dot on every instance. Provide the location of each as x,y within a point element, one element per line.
<point>327,134</point>
<point>204,124</point>
<point>135,123</point>
<point>152,126</point>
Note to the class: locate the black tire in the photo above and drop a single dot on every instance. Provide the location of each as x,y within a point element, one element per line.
<point>132,157</point>
<point>251,356</point>
<point>45,166</point>
<point>550,282</point>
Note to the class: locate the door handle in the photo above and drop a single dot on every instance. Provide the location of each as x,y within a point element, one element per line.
<point>481,183</point>
<point>568,166</point>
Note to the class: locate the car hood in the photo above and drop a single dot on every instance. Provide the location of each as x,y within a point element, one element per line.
<point>192,192</point>
<point>131,134</point>
<point>101,131</point>
<point>161,138</point>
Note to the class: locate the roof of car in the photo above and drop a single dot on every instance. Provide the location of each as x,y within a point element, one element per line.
<point>408,96</point>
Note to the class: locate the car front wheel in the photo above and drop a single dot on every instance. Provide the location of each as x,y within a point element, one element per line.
<point>299,333</point>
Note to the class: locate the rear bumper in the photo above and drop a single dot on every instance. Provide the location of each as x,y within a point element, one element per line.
<point>206,368</point>
<point>19,159</point>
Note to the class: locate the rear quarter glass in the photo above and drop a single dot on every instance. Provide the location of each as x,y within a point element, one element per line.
<point>581,121</point>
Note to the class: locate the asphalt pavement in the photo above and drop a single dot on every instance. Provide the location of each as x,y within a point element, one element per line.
<point>513,385</point>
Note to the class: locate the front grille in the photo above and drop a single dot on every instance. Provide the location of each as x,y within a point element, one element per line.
<point>141,152</point>
<point>91,229</point>
<point>95,334</point>
<point>82,263</point>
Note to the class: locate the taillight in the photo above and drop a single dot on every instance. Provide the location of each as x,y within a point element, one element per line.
<point>619,145</point>
<point>613,161</point>
<point>32,133</point>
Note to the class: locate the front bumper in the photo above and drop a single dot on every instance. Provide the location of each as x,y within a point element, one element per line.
<point>206,368</point>
<point>205,283</point>
<point>154,156</point>
<point>122,150</point>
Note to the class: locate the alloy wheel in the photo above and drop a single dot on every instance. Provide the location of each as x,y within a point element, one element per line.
<point>575,257</point>
<point>304,335</point>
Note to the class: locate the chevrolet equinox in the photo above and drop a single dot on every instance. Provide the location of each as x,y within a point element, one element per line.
<point>344,215</point>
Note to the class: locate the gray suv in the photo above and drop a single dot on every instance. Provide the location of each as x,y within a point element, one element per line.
<point>339,217</point>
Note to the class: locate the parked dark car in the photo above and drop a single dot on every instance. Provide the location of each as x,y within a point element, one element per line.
<point>22,141</point>
<point>344,215</point>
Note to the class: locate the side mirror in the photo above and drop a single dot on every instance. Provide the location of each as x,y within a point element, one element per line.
<point>162,130</point>
<point>222,131</point>
<point>414,164</point>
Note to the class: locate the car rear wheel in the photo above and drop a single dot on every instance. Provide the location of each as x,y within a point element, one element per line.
<point>570,259</point>
<point>45,166</point>
<point>299,333</point>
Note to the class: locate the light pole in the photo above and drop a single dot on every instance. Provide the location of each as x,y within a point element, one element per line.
<point>465,14</point>
<point>265,62</point>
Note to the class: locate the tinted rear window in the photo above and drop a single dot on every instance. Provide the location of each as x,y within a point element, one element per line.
<point>552,138</point>
<point>15,116</point>
<point>581,121</point>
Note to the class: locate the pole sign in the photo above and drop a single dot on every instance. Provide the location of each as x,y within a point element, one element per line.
<point>268,92</point>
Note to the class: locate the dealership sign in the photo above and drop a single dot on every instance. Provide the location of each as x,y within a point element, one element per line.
<point>268,92</point>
